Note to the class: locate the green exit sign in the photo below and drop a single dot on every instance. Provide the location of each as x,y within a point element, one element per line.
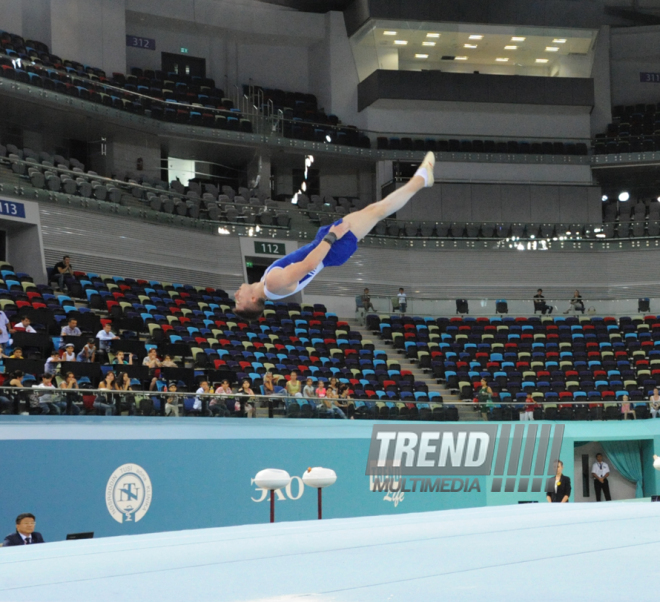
<point>184,50</point>
<point>249,264</point>
<point>269,248</point>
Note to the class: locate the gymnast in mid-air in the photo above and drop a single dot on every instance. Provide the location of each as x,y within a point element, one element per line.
<point>332,246</point>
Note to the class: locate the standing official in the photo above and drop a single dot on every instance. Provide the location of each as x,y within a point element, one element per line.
<point>599,472</point>
<point>559,489</point>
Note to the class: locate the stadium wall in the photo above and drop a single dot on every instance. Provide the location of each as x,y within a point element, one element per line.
<point>198,473</point>
<point>634,51</point>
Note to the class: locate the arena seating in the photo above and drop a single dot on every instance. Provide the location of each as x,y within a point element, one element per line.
<point>482,146</point>
<point>596,360</point>
<point>635,128</point>
<point>634,220</point>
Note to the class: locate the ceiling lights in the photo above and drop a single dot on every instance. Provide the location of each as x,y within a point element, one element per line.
<point>502,60</point>
<point>551,49</point>
<point>517,39</point>
<point>476,37</point>
<point>511,48</point>
<point>428,43</point>
<point>559,41</point>
<point>460,58</point>
<point>432,35</point>
<point>389,33</point>
<point>469,46</point>
<point>542,60</point>
<point>421,56</point>
<point>400,42</point>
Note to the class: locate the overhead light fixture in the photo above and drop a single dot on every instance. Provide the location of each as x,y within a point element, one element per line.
<point>518,39</point>
<point>624,196</point>
<point>511,48</point>
<point>432,35</point>
<point>475,37</point>
<point>389,33</point>
<point>469,46</point>
<point>428,43</point>
<point>222,230</point>
<point>605,198</point>
<point>327,138</point>
<point>464,58</point>
<point>501,60</point>
<point>559,41</point>
<point>658,199</point>
<point>542,60</point>
<point>421,56</point>
<point>601,235</point>
<point>551,49</point>
<point>400,42</point>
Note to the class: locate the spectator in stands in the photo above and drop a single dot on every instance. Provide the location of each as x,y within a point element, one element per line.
<point>202,390</point>
<point>403,300</point>
<point>4,328</point>
<point>168,363</point>
<point>484,398</point>
<point>269,385</point>
<point>105,335</point>
<point>528,410</point>
<point>654,402</point>
<point>61,270</point>
<point>576,303</point>
<point>52,363</point>
<point>69,354</point>
<point>47,401</point>
<point>366,301</point>
<point>17,354</point>
<point>293,385</point>
<point>151,359</point>
<point>15,380</point>
<point>328,403</point>
<point>70,330</point>
<point>126,401</point>
<point>105,401</point>
<point>560,491</point>
<point>25,533</point>
<point>2,353</point>
<point>172,401</point>
<point>245,406</point>
<point>626,409</point>
<point>70,383</point>
<point>88,352</point>
<point>23,326</point>
<point>120,359</point>
<point>345,400</point>
<point>308,389</point>
<point>540,304</point>
<point>321,391</point>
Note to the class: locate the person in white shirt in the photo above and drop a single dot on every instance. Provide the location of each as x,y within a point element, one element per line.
<point>47,401</point>
<point>4,329</point>
<point>105,336</point>
<point>51,363</point>
<point>69,355</point>
<point>403,302</point>
<point>654,403</point>
<point>203,388</point>
<point>599,472</point>
<point>24,326</point>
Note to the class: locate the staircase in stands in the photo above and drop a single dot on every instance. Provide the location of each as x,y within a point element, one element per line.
<point>420,374</point>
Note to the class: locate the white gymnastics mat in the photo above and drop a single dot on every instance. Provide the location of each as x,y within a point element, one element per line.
<point>525,552</point>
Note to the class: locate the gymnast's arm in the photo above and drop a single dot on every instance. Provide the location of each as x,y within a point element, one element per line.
<point>285,279</point>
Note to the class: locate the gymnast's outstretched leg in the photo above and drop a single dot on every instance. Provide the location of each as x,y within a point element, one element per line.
<point>363,221</point>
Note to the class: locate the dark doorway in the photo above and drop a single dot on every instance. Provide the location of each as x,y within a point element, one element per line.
<point>255,268</point>
<point>3,245</point>
<point>183,65</point>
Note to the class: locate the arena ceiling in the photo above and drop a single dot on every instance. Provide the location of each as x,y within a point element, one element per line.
<point>312,6</point>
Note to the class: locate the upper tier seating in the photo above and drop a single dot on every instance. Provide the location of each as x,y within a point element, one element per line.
<point>635,128</point>
<point>510,147</point>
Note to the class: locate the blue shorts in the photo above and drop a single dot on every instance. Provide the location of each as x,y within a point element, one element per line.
<point>341,251</point>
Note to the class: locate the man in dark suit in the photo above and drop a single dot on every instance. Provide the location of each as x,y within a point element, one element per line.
<point>25,533</point>
<point>559,488</point>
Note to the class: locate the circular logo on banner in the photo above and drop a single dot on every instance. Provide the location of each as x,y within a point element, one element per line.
<point>128,493</point>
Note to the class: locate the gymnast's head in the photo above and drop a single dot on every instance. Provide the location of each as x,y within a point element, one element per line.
<point>250,301</point>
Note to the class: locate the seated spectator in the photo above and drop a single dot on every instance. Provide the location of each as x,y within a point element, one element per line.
<point>121,360</point>
<point>328,403</point>
<point>576,303</point>
<point>70,384</point>
<point>88,352</point>
<point>25,533</point>
<point>168,363</point>
<point>69,355</point>
<point>172,401</point>
<point>345,400</point>
<point>126,401</point>
<point>61,270</point>
<point>293,385</point>
<point>52,362</point>
<point>17,354</point>
<point>626,409</point>
<point>2,353</point>
<point>151,359</point>
<point>308,389</point>
<point>246,407</point>
<point>105,336</point>
<point>105,401</point>
<point>202,390</point>
<point>23,326</point>
<point>540,304</point>
<point>70,330</point>
<point>654,402</point>
<point>321,391</point>
<point>366,301</point>
<point>8,404</point>
<point>47,401</point>
<point>4,328</point>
